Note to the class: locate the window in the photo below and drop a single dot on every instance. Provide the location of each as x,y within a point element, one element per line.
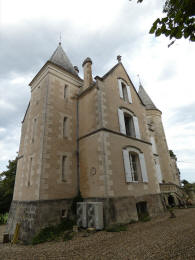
<point>153,142</point>
<point>135,167</point>
<point>29,174</point>
<point>134,164</point>
<point>65,91</point>
<point>34,129</point>
<point>158,169</point>
<point>65,127</point>
<point>64,159</point>
<point>128,123</point>
<point>124,91</point>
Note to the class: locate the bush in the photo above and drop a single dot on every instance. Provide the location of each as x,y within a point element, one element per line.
<point>3,218</point>
<point>117,228</point>
<point>52,232</point>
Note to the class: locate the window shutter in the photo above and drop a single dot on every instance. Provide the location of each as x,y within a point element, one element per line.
<point>153,144</point>
<point>129,94</point>
<point>121,121</point>
<point>120,88</point>
<point>127,166</point>
<point>136,125</point>
<point>158,171</point>
<point>143,167</point>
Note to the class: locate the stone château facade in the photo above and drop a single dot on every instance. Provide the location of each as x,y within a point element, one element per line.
<point>97,136</point>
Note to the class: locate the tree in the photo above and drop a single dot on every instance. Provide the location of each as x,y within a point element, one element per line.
<point>179,21</point>
<point>7,180</point>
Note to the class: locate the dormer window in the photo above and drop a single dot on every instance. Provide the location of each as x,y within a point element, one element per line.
<point>124,91</point>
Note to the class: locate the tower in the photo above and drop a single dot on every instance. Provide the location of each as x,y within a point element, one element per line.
<point>46,179</point>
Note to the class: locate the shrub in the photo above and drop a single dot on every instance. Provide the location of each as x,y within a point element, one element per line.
<point>3,218</point>
<point>52,232</point>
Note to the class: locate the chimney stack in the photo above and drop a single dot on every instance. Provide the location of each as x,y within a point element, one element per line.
<point>88,80</point>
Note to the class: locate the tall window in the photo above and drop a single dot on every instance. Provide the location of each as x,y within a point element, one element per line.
<point>65,127</point>
<point>129,125</point>
<point>30,169</point>
<point>65,91</point>
<point>64,159</point>
<point>124,91</point>
<point>134,165</point>
<point>34,129</point>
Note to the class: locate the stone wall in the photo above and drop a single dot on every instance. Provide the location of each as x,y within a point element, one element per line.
<point>123,209</point>
<point>35,215</point>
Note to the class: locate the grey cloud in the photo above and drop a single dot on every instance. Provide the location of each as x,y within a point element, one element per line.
<point>167,72</point>
<point>183,114</point>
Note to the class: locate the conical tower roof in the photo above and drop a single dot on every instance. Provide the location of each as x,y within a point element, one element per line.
<point>60,58</point>
<point>146,99</point>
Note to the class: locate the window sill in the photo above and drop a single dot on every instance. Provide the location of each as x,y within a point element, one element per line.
<point>137,182</point>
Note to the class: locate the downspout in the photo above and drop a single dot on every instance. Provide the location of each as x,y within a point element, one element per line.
<point>77,145</point>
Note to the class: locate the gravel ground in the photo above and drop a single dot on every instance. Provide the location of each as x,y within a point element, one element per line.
<point>162,238</point>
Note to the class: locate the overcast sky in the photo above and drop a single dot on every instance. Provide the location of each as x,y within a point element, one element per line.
<point>100,29</point>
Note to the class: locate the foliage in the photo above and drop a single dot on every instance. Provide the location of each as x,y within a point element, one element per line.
<point>3,218</point>
<point>7,180</point>
<point>117,228</point>
<point>172,154</point>
<point>53,232</point>
<point>188,187</point>
<point>179,21</point>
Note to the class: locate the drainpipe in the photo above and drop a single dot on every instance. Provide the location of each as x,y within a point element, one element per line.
<point>77,147</point>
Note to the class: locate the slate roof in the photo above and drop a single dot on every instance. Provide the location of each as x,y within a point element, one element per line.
<point>146,99</point>
<point>60,58</point>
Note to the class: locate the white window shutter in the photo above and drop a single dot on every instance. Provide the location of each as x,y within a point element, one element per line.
<point>129,94</point>
<point>121,121</point>
<point>154,150</point>
<point>143,167</point>
<point>127,166</point>
<point>158,171</point>
<point>136,125</point>
<point>120,88</point>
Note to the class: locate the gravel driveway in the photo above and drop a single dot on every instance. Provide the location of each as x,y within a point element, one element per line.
<point>161,238</point>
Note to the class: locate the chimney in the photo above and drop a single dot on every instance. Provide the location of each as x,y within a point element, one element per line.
<point>88,80</point>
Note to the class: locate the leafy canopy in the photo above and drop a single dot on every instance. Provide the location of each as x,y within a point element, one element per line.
<point>7,180</point>
<point>179,21</point>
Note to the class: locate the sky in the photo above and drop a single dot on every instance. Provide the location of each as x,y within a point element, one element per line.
<point>99,29</point>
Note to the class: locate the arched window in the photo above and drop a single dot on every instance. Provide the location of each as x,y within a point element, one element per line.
<point>128,123</point>
<point>134,164</point>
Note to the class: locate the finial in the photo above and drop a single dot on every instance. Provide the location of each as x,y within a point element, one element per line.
<point>119,58</point>
<point>60,39</point>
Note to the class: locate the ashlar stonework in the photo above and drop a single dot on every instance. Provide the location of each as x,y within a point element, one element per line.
<point>97,136</point>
